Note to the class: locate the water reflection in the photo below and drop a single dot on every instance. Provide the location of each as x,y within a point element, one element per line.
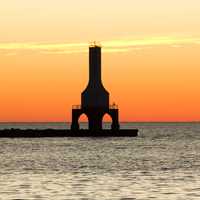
<point>163,163</point>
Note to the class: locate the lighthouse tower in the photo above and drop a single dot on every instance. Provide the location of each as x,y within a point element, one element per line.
<point>95,98</point>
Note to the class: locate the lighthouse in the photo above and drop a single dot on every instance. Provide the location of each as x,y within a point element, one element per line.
<point>95,98</point>
<point>95,95</point>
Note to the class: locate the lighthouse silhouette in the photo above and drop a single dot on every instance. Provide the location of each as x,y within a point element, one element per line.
<point>95,98</point>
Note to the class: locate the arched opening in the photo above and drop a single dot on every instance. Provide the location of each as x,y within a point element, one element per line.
<point>106,121</point>
<point>83,121</point>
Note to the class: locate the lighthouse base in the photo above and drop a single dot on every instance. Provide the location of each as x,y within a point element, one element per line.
<point>95,116</point>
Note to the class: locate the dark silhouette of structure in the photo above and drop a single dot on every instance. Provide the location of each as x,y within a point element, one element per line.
<point>95,98</point>
<point>94,104</point>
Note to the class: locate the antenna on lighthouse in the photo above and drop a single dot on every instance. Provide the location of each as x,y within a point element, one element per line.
<point>95,44</point>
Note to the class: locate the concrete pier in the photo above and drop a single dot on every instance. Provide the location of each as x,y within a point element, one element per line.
<point>35,133</point>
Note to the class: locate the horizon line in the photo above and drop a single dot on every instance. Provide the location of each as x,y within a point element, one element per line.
<point>196,121</point>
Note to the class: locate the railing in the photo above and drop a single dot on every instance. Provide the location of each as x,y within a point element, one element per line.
<point>112,106</point>
<point>76,107</point>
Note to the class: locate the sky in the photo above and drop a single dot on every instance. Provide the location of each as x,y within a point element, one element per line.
<point>150,61</point>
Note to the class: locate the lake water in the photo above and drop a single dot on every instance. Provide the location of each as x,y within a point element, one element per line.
<point>162,163</point>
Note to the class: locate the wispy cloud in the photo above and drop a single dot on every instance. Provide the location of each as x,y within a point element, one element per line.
<point>110,46</point>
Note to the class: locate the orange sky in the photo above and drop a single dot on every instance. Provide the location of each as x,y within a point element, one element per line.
<point>150,64</point>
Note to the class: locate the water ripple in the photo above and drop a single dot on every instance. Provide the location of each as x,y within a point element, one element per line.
<point>163,163</point>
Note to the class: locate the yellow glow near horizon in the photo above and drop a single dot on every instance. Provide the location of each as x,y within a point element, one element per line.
<point>108,46</point>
